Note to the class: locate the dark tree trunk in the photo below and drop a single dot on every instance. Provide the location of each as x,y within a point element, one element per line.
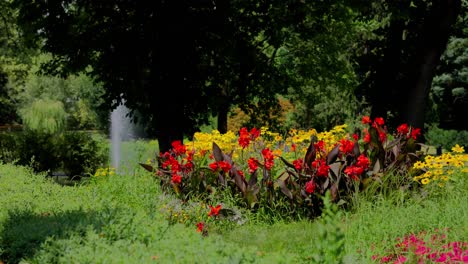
<point>431,44</point>
<point>223,109</point>
<point>384,95</point>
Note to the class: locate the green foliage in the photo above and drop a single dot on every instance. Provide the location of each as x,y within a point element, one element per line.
<point>446,138</point>
<point>330,243</point>
<point>44,116</point>
<point>74,153</point>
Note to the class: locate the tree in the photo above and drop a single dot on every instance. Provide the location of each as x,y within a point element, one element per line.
<point>399,61</point>
<point>449,94</point>
<point>173,61</point>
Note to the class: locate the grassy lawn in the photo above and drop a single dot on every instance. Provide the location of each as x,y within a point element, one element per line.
<point>127,219</point>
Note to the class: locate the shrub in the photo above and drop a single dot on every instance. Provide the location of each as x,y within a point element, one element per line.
<point>75,153</point>
<point>447,138</point>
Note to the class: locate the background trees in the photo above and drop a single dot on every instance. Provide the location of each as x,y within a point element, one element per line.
<point>180,63</point>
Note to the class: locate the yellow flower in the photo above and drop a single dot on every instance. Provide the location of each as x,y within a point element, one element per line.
<point>419,165</point>
<point>458,149</point>
<point>445,178</point>
<point>425,181</point>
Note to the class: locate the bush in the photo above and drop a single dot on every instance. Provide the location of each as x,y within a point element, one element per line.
<point>447,138</point>
<point>74,153</point>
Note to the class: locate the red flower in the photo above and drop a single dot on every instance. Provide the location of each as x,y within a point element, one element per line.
<point>320,145</point>
<point>366,120</point>
<point>176,179</point>
<point>224,165</point>
<point>178,147</point>
<point>244,137</point>
<point>366,138</point>
<point>415,133</point>
<point>213,166</point>
<point>214,210</point>
<point>355,137</point>
<point>268,157</point>
<point>309,187</point>
<point>253,165</point>
<point>379,121</point>
<point>200,227</point>
<point>354,172</point>
<point>293,147</point>
<point>346,146</point>
<point>254,133</point>
<point>403,129</point>
<point>363,161</point>
<point>241,173</point>
<point>382,136</point>
<point>323,170</point>
<point>298,164</point>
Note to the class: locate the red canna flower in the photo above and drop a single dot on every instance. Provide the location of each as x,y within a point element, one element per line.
<point>366,138</point>
<point>253,165</point>
<point>213,166</point>
<point>346,146</point>
<point>382,136</point>
<point>268,157</point>
<point>254,133</point>
<point>309,187</point>
<point>224,165</point>
<point>241,173</point>
<point>363,161</point>
<point>298,164</point>
<point>354,172</point>
<point>323,170</point>
<point>415,133</point>
<point>366,120</point>
<point>214,211</point>
<point>244,137</point>
<point>178,147</point>
<point>176,179</point>
<point>379,121</point>
<point>320,145</point>
<point>200,227</point>
<point>355,137</point>
<point>403,129</point>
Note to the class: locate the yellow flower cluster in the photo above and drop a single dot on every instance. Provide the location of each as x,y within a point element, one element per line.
<point>102,172</point>
<point>204,141</point>
<point>440,168</point>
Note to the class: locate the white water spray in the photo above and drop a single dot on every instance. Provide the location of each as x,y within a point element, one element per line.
<point>121,129</point>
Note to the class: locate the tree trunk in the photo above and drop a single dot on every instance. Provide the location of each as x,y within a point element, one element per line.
<point>223,109</point>
<point>432,43</point>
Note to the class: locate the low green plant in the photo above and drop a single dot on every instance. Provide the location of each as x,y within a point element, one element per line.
<point>446,138</point>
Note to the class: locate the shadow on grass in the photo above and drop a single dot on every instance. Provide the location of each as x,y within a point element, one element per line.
<point>25,231</point>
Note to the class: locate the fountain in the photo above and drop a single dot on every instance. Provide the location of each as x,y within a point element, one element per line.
<point>121,129</point>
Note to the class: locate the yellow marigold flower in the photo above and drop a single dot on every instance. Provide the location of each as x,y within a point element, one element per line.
<point>425,181</point>
<point>458,149</point>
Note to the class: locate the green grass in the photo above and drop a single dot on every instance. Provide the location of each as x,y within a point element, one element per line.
<point>124,219</point>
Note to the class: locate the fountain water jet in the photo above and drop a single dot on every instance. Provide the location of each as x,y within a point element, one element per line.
<point>121,129</point>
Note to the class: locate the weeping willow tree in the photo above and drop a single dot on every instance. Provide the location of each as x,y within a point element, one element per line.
<point>45,116</point>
